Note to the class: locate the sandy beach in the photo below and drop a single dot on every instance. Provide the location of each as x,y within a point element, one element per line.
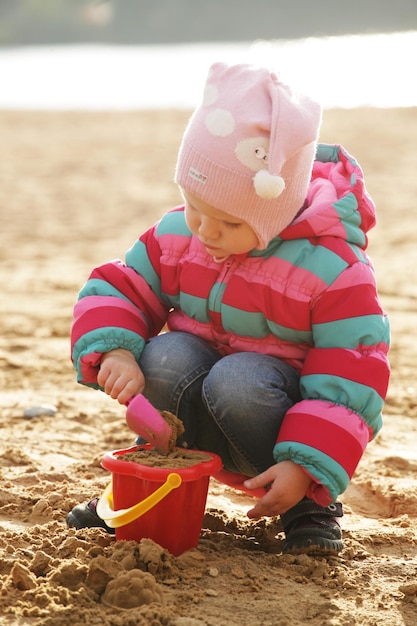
<point>76,189</point>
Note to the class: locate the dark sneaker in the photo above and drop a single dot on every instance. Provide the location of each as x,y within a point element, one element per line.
<point>85,516</point>
<point>312,529</point>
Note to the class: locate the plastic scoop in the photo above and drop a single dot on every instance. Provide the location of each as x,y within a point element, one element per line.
<point>145,420</point>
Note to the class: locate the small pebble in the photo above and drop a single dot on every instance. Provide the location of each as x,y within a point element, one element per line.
<point>213,571</point>
<point>38,410</point>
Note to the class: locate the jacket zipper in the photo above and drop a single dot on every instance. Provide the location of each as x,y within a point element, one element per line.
<point>218,291</point>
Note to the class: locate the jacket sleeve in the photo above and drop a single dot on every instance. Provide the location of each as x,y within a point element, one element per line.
<point>120,306</point>
<point>343,383</point>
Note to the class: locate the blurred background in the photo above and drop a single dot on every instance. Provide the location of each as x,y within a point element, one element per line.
<point>29,22</point>
<point>130,54</point>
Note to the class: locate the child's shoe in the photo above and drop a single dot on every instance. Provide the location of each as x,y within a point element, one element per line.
<point>312,529</point>
<point>85,516</point>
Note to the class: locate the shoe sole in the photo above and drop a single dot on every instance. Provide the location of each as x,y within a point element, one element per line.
<point>316,547</point>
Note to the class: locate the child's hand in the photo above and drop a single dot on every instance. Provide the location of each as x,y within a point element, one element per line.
<point>120,375</point>
<point>289,484</point>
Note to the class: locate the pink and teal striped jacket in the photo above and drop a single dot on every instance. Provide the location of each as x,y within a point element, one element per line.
<point>310,299</point>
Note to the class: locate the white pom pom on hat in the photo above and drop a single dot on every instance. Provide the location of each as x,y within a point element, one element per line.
<point>268,186</point>
<point>257,167</point>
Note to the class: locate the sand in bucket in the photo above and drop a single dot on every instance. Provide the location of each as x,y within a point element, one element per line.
<point>168,492</point>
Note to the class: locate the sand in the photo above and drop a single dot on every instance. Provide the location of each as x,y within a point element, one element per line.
<point>75,190</point>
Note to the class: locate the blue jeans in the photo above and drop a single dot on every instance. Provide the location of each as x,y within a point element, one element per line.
<point>230,405</point>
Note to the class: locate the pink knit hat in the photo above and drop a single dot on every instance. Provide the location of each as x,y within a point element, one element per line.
<point>248,149</point>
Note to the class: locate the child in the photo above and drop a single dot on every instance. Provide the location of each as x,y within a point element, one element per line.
<point>276,355</point>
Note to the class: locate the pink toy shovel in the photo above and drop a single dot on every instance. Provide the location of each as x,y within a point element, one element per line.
<point>146,421</point>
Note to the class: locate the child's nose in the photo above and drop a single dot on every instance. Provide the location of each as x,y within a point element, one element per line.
<point>208,228</point>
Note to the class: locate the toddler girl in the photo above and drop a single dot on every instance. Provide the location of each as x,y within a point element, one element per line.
<point>275,354</point>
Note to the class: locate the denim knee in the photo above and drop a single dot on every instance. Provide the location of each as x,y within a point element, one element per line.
<point>248,395</point>
<point>174,365</point>
<point>171,362</point>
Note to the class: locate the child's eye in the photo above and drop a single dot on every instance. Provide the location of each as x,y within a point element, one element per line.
<point>232,224</point>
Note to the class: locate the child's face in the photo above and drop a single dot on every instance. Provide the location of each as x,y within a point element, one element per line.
<point>220,233</point>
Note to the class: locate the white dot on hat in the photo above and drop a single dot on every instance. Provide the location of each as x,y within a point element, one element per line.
<point>210,95</point>
<point>220,122</point>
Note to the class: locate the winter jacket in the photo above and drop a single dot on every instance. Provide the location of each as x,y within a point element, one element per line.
<point>310,299</point>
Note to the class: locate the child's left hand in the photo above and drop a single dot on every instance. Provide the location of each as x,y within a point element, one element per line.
<point>288,485</point>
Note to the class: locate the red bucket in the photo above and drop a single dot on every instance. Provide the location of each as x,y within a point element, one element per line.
<point>165,505</point>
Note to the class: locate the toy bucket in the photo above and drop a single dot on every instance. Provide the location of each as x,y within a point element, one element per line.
<point>162,504</point>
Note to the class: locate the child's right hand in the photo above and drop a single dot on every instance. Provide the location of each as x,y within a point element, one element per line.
<point>288,483</point>
<point>120,375</point>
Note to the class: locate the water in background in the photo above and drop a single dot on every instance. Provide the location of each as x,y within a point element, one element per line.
<point>346,71</point>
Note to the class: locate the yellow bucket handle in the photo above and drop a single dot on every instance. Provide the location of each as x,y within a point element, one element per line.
<point>121,517</point>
